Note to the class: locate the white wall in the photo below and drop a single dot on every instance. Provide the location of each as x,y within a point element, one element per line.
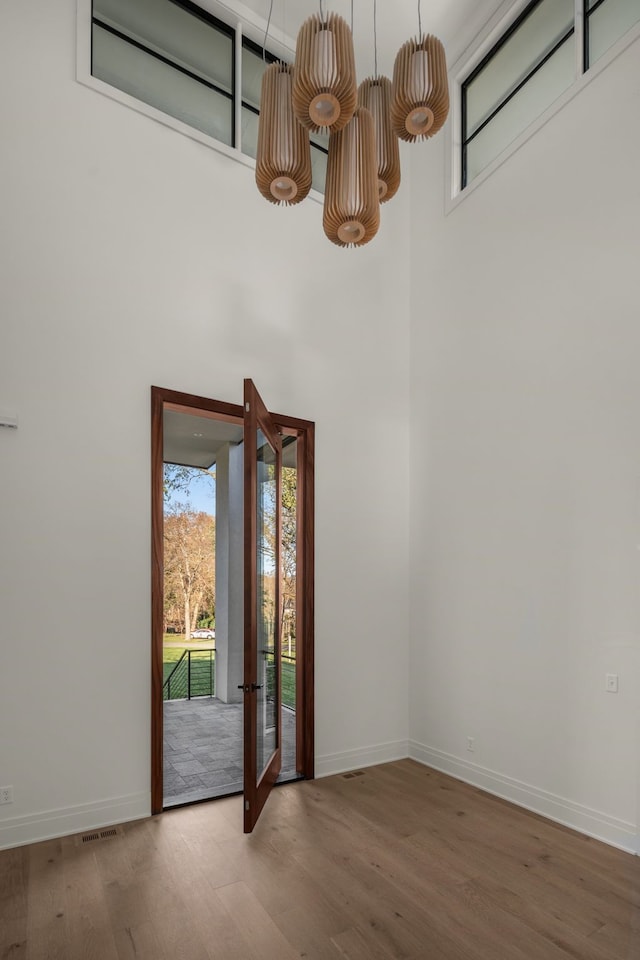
<point>130,255</point>
<point>133,256</point>
<point>525,500</point>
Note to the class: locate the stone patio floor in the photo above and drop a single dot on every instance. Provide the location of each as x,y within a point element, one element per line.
<point>203,746</point>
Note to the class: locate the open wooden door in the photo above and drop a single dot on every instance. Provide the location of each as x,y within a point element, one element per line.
<point>262,522</point>
<point>262,701</point>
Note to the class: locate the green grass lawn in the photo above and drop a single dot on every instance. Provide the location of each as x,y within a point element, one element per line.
<point>289,684</point>
<point>200,675</point>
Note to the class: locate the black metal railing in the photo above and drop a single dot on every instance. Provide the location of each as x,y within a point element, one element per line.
<point>288,678</point>
<point>192,676</point>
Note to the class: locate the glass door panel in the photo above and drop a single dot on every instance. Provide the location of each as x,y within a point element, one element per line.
<point>266,606</point>
<point>262,571</point>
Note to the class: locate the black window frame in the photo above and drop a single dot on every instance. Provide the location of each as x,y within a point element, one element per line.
<point>233,95</point>
<point>211,21</point>
<point>269,58</point>
<point>498,45</point>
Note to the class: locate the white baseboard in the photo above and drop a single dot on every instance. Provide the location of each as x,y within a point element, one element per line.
<point>593,823</point>
<point>362,757</point>
<point>49,824</point>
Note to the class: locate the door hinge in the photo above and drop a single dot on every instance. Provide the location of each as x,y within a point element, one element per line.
<point>246,804</point>
<point>247,406</point>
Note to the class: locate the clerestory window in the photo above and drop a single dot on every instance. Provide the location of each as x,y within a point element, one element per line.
<point>544,50</point>
<point>605,22</point>
<point>183,61</point>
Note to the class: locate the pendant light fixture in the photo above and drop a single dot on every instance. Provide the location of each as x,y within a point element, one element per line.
<point>351,208</point>
<point>374,93</point>
<point>324,86</point>
<point>319,93</point>
<point>283,159</point>
<point>420,102</point>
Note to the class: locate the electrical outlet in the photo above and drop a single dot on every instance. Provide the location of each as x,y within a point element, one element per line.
<point>6,794</point>
<point>471,744</point>
<point>612,683</point>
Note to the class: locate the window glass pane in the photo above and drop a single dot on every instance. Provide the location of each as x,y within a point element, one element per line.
<point>321,140</point>
<point>533,39</point>
<point>249,133</point>
<point>537,94</point>
<point>319,160</point>
<point>175,33</point>
<point>141,75</point>
<point>318,170</point>
<point>610,22</point>
<point>253,67</point>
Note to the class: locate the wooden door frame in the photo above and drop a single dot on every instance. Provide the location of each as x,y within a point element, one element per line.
<point>304,431</point>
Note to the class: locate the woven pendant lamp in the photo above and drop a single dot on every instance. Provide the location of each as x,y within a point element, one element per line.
<point>351,208</point>
<point>420,102</point>
<point>375,94</point>
<point>283,160</point>
<point>324,84</point>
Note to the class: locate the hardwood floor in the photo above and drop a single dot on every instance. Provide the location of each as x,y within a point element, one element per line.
<point>400,862</point>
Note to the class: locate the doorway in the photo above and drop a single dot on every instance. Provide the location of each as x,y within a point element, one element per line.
<point>198,704</point>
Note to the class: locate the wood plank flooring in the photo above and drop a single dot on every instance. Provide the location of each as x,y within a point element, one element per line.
<point>401,863</point>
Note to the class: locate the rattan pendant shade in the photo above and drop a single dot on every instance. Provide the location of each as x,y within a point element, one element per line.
<point>420,101</point>
<point>375,94</point>
<point>351,208</point>
<point>283,159</point>
<point>324,88</point>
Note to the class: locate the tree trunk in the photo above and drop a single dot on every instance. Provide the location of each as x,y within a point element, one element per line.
<point>187,616</point>
<point>196,612</point>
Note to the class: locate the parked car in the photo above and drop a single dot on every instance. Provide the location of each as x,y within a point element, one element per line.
<point>203,634</point>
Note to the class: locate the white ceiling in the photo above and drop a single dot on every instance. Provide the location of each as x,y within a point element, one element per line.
<point>194,441</point>
<point>456,22</point>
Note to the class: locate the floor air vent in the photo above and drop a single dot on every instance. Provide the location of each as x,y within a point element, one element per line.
<point>105,834</point>
<point>355,773</point>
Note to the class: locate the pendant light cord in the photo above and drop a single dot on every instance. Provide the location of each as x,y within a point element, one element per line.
<point>375,40</point>
<point>419,22</point>
<point>266,34</point>
<point>322,16</point>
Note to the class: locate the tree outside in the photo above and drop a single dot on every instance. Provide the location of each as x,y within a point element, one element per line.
<point>288,591</point>
<point>189,549</point>
<point>189,569</point>
<point>288,558</point>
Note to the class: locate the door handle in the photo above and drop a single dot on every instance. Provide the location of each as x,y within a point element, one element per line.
<point>256,686</point>
<point>245,687</point>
